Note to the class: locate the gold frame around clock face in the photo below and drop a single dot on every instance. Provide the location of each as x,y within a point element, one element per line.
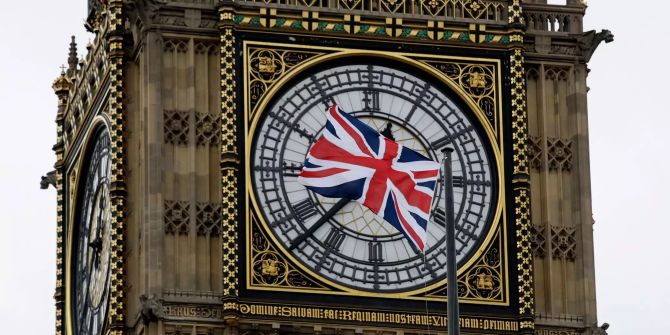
<point>282,63</point>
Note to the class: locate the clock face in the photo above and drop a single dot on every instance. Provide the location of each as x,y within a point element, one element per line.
<point>342,240</point>
<point>92,235</point>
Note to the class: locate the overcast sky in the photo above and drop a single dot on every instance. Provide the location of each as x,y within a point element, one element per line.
<point>628,120</point>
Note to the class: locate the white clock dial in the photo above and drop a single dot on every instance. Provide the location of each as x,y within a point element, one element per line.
<point>340,239</point>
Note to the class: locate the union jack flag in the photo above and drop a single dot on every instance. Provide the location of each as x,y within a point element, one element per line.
<point>351,160</point>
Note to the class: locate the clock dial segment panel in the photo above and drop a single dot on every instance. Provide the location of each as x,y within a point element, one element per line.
<point>339,238</point>
<point>92,242</point>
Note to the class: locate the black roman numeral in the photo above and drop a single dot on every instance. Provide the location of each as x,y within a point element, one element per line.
<point>304,209</point>
<point>375,252</point>
<point>447,139</point>
<point>288,169</point>
<point>334,239</point>
<point>440,215</point>
<point>371,100</point>
<point>457,181</point>
<point>291,169</point>
<point>460,182</point>
<point>292,125</point>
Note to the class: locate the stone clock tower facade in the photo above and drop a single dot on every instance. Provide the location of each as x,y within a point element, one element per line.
<point>182,132</point>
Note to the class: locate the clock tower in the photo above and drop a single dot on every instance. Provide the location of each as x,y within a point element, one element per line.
<point>182,132</point>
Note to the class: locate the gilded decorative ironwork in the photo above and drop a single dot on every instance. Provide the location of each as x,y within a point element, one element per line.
<point>519,114</point>
<point>352,4</point>
<point>268,266</point>
<point>229,232</point>
<point>228,93</point>
<point>478,81</point>
<point>61,87</point>
<point>118,156</point>
<point>515,13</point>
<point>524,251</point>
<point>268,65</point>
<point>521,187</point>
<point>60,246</point>
<point>432,7</point>
<point>229,162</point>
<point>393,6</point>
<point>485,280</point>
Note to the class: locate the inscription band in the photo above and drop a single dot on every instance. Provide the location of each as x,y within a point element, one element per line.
<point>374,317</point>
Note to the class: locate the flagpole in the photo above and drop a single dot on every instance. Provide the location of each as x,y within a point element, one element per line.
<point>450,227</point>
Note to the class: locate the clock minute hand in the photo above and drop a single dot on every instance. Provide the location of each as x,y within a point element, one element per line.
<point>319,223</point>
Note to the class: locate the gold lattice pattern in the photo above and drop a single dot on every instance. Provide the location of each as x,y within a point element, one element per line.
<point>60,266</point>
<point>519,117</point>
<point>61,92</point>
<point>229,161</point>
<point>228,156</point>
<point>266,66</point>
<point>118,197</point>
<point>228,93</point>
<point>521,188</point>
<point>524,251</point>
<point>515,12</point>
<point>229,232</point>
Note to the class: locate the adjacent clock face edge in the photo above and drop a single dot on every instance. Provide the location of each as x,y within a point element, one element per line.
<point>91,208</point>
<point>495,201</point>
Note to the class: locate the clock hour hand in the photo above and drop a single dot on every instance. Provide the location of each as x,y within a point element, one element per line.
<point>96,245</point>
<point>319,223</point>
